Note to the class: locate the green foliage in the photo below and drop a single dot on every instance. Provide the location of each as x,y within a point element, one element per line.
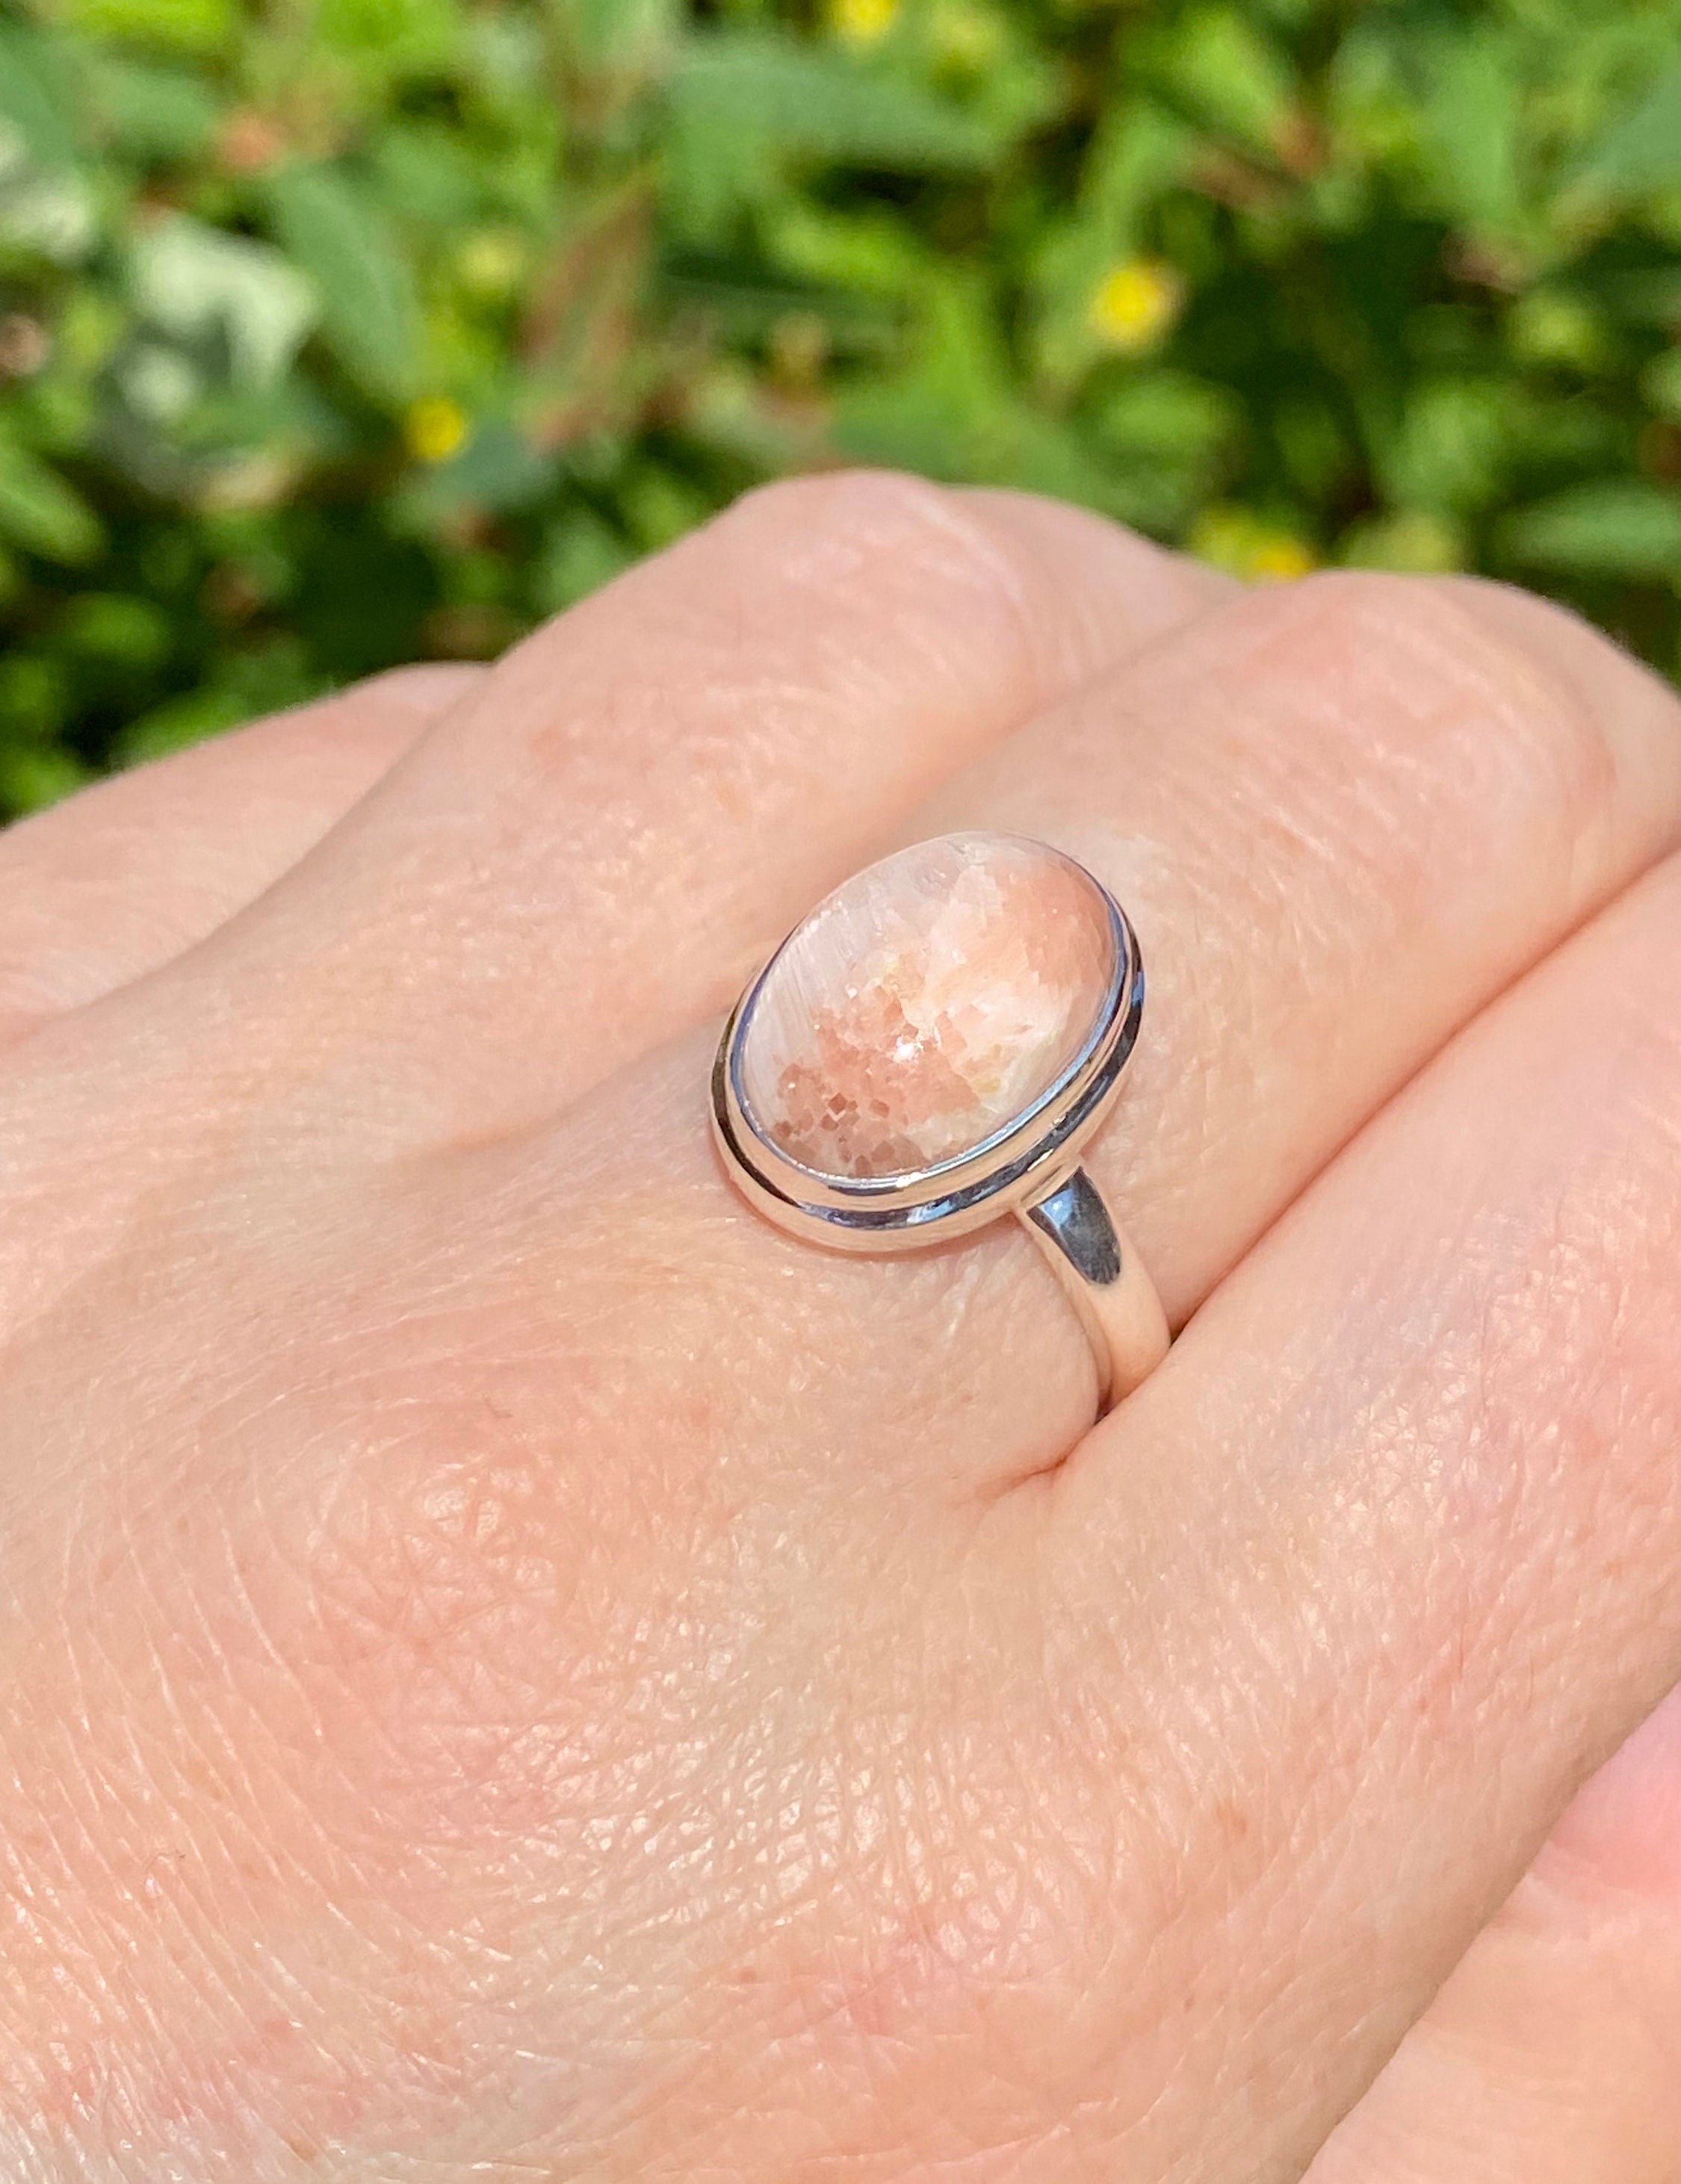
<point>338,235</point>
<point>341,332</point>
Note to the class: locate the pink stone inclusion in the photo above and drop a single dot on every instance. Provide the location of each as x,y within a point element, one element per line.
<point>925,1005</point>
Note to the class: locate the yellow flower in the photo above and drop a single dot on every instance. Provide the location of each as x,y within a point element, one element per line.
<point>1136,304</point>
<point>1279,559</point>
<point>861,22</point>
<point>434,427</point>
<point>1250,547</point>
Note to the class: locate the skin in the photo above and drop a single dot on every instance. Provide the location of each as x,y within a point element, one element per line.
<point>511,1667</point>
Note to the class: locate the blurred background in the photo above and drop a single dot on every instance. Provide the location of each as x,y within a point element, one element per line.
<point>336,333</point>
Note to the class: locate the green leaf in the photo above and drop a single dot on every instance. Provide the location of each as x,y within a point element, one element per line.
<point>31,780</point>
<point>152,112</point>
<point>824,104</point>
<point>339,237</point>
<point>1475,132</point>
<point>188,26</point>
<point>1168,436</point>
<point>1229,74</point>
<point>1450,452</point>
<point>32,98</point>
<point>34,694</point>
<point>617,37</point>
<point>497,469</point>
<point>179,722</point>
<point>868,253</point>
<point>1642,151</point>
<point>952,395</point>
<point>579,554</point>
<point>1650,295</point>
<point>1610,527</point>
<point>266,680</point>
<point>132,634</point>
<point>426,171</point>
<point>1661,383</point>
<point>39,512</point>
<point>1141,152</point>
<point>191,280</point>
<point>1367,98</point>
<point>391,39</point>
<point>953,412</point>
<point>1168,416</point>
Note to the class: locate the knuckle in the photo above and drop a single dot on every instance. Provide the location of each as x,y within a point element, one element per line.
<point>1516,699</point>
<point>425,686</point>
<point>879,508</point>
<point>914,544</point>
<point>1552,682</point>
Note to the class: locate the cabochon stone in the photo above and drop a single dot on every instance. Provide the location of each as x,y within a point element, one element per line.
<point>924,1005</point>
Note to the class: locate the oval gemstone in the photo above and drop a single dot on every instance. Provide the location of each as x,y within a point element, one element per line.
<point>925,1006</point>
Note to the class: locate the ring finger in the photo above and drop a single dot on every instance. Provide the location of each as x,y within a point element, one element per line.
<point>1344,817</point>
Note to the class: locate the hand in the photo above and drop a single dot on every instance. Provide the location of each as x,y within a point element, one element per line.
<point>513,1668</point>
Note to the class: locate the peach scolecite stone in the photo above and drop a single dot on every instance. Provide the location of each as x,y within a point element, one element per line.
<point>925,1006</point>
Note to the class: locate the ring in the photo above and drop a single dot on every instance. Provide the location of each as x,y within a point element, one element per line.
<point>930,1049</point>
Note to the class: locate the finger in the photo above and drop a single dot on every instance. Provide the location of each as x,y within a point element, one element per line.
<point>583,859</point>
<point>1344,814</point>
<point>1073,1894</point>
<point>580,1337</point>
<point>104,887</point>
<point>1398,1529</point>
<point>1550,2057</point>
<point>1344,817</point>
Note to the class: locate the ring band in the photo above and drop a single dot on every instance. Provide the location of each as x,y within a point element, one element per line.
<point>1093,1259</point>
<point>930,1050</point>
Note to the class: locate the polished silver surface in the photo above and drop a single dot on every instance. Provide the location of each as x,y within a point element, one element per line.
<point>1074,1217</point>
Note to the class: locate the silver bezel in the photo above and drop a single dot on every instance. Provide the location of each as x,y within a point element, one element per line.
<point>933,1205</point>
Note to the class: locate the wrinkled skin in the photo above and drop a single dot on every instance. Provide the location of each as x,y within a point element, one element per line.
<point>511,1667</point>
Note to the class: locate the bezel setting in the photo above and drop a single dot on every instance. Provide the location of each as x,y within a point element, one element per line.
<point>953,1197</point>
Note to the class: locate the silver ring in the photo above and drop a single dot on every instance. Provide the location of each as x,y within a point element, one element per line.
<point>930,1049</point>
